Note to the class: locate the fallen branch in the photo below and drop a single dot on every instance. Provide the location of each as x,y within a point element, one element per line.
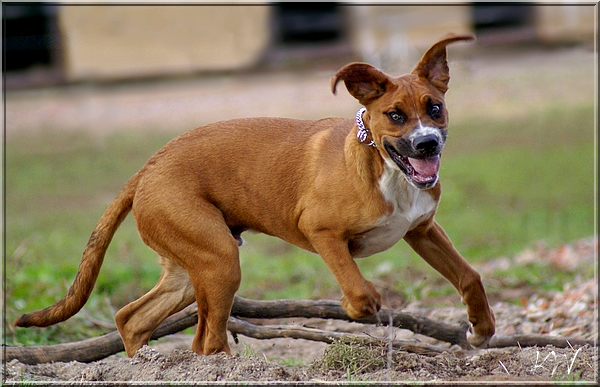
<point>241,327</point>
<point>100,347</point>
<point>328,309</point>
<point>84,351</point>
<point>502,341</point>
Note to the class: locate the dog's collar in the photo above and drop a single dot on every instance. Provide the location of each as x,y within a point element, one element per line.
<point>363,133</point>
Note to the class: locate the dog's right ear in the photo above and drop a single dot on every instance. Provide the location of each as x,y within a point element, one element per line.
<point>363,81</point>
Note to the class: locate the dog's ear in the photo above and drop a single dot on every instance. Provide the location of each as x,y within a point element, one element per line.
<point>433,65</point>
<point>363,81</point>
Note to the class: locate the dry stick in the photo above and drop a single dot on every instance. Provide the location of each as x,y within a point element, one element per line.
<point>237,326</point>
<point>96,348</point>
<point>502,341</point>
<point>100,347</point>
<point>85,351</point>
<point>329,309</point>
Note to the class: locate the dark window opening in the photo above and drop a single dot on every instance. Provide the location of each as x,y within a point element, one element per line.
<point>30,36</point>
<point>490,16</point>
<point>307,23</point>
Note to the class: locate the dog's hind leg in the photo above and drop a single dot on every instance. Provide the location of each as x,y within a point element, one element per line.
<point>201,262</point>
<point>137,320</point>
<point>211,280</point>
<point>216,277</point>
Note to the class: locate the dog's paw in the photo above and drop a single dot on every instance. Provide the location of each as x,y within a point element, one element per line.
<point>365,305</point>
<point>478,340</point>
<point>352,312</point>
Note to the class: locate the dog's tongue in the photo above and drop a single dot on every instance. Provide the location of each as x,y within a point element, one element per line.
<point>426,167</point>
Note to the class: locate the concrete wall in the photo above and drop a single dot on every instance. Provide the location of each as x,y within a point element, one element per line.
<point>129,41</point>
<point>565,23</point>
<point>117,42</point>
<point>392,37</point>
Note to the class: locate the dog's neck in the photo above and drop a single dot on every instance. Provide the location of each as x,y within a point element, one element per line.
<point>364,162</point>
<point>362,134</point>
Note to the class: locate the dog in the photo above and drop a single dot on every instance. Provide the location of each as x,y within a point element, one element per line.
<point>337,187</point>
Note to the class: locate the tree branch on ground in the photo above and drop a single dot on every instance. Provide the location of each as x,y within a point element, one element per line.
<point>100,347</point>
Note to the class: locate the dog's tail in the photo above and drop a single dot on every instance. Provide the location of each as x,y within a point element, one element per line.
<point>91,262</point>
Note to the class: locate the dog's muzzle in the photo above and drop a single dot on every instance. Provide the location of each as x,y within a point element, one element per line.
<point>418,156</point>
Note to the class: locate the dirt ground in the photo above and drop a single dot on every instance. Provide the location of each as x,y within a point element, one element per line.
<point>570,313</point>
<point>510,364</point>
<point>182,104</point>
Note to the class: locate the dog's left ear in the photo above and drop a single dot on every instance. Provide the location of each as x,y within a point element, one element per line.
<point>433,65</point>
<point>363,81</point>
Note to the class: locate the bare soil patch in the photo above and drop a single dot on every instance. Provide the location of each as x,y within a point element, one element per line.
<point>339,362</point>
<point>572,313</point>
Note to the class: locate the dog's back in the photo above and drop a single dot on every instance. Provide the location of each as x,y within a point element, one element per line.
<point>261,163</point>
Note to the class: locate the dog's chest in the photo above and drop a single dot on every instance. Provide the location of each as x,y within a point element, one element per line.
<point>411,207</point>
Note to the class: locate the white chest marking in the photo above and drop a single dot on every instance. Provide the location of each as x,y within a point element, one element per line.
<point>411,207</point>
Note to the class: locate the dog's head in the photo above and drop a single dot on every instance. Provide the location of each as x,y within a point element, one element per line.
<point>406,115</point>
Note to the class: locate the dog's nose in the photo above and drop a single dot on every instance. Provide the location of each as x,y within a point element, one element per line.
<point>426,144</point>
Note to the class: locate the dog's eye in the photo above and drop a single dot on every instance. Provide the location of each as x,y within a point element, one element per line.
<point>435,110</point>
<point>396,118</point>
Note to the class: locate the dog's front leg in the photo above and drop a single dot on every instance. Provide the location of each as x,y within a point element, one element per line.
<point>433,245</point>
<point>360,297</point>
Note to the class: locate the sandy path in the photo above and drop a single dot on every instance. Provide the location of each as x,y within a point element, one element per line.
<point>485,82</point>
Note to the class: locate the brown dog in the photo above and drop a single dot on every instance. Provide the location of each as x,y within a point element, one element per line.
<point>341,188</point>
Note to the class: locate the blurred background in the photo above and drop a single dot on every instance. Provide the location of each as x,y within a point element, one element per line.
<point>178,66</point>
<point>65,43</point>
<point>91,92</point>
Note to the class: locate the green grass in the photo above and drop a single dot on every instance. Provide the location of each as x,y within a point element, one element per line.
<point>505,186</point>
<point>518,195</point>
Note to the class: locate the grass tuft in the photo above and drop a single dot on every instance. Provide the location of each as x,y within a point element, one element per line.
<point>353,357</point>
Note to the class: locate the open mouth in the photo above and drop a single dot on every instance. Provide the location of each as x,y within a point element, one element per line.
<point>422,173</point>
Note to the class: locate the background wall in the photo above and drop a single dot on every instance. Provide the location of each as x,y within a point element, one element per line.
<point>63,43</point>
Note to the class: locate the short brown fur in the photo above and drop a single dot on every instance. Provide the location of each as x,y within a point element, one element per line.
<point>310,183</point>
